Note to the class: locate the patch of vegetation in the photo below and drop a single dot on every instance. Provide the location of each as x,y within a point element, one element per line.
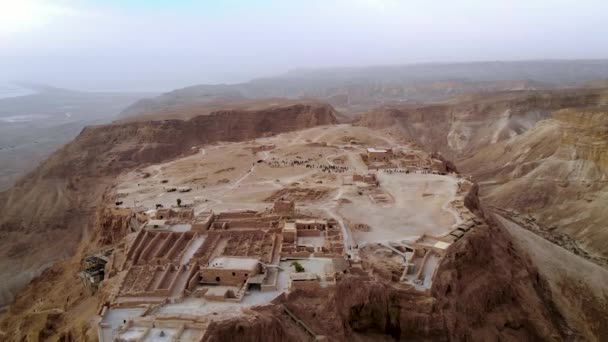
<point>299,268</point>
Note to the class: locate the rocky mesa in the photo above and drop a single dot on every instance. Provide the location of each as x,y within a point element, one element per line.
<point>57,200</point>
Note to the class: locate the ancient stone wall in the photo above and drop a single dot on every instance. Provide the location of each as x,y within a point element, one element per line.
<point>221,276</point>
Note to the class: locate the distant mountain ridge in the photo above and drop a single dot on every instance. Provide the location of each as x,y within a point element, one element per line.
<point>358,89</point>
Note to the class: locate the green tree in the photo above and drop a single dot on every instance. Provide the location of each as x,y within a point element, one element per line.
<point>299,268</point>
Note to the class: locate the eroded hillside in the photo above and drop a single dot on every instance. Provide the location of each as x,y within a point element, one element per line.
<point>462,126</point>
<point>557,171</point>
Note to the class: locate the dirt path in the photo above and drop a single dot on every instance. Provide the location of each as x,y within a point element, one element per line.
<point>348,241</point>
<point>248,173</point>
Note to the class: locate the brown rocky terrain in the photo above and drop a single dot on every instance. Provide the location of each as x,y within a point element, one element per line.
<point>57,201</point>
<point>494,284</point>
<point>539,153</point>
<point>498,282</point>
<point>461,126</point>
<point>557,171</point>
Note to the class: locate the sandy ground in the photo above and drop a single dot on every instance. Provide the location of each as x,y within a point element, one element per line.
<point>229,177</point>
<point>418,208</point>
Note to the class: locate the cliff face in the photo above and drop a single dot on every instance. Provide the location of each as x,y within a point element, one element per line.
<point>462,126</point>
<point>112,225</point>
<point>584,136</point>
<point>58,200</point>
<point>557,171</point>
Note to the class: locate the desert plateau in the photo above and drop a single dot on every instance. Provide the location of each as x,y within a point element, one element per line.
<point>303,171</point>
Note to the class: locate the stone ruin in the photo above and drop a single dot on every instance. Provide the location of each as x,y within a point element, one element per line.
<point>286,208</point>
<point>234,249</point>
<point>369,179</point>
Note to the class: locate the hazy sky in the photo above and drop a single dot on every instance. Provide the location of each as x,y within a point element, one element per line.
<point>160,45</point>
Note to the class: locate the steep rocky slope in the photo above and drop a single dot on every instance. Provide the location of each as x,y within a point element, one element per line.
<point>56,305</point>
<point>461,126</point>
<point>47,212</point>
<point>557,171</point>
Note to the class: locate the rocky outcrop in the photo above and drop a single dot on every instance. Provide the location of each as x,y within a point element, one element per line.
<point>58,200</point>
<point>262,325</point>
<point>114,224</point>
<point>489,290</point>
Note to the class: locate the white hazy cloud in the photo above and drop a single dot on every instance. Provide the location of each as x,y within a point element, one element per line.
<point>144,45</point>
<point>24,15</point>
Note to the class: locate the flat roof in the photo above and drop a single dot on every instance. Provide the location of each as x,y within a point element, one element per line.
<point>183,227</point>
<point>234,263</point>
<point>441,245</point>
<point>303,276</point>
<point>156,223</point>
<point>311,221</point>
<point>371,149</point>
<point>289,226</point>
